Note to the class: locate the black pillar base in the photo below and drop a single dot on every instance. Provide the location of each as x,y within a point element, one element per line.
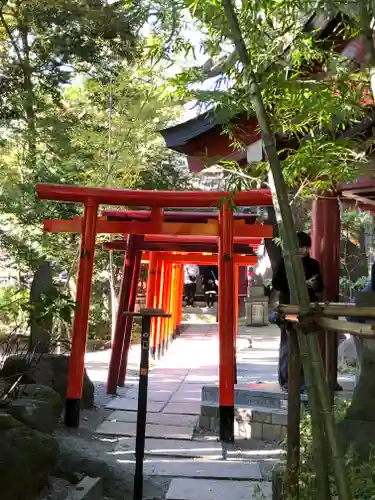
<point>153,352</point>
<point>72,410</point>
<point>178,330</point>
<point>226,416</point>
<point>174,335</point>
<point>235,369</point>
<point>162,348</point>
<point>120,385</point>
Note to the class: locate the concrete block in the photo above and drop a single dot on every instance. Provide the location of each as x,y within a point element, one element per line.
<point>210,393</point>
<point>271,432</point>
<point>262,395</point>
<point>210,489</point>
<point>257,430</point>
<point>261,416</point>
<point>280,417</point>
<point>204,422</point>
<point>90,488</point>
<point>210,410</point>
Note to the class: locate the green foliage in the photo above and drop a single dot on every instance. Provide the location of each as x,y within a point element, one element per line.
<point>12,307</point>
<point>312,94</point>
<point>362,480</point>
<point>80,104</point>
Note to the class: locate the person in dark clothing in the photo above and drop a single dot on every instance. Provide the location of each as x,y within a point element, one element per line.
<point>210,291</point>
<point>280,283</point>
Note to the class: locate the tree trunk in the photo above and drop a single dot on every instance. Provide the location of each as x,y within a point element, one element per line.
<point>28,97</point>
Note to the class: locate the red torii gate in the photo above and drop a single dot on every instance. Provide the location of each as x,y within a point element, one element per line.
<point>117,368</point>
<point>225,228</point>
<point>157,256</point>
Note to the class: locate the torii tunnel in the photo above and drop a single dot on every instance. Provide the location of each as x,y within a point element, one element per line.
<point>167,240</point>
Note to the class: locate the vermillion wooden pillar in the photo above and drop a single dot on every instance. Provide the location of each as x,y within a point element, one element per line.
<point>118,341</point>
<point>79,333</point>
<point>165,302</point>
<point>235,318</point>
<point>159,324</point>
<point>129,319</point>
<point>226,322</point>
<point>156,305</point>
<point>180,298</point>
<point>150,293</point>
<point>173,319</point>
<point>325,235</point>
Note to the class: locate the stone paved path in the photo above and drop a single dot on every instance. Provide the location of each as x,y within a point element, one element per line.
<point>199,468</point>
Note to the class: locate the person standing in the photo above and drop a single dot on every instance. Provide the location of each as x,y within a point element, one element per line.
<point>191,274</point>
<point>210,291</point>
<point>315,286</point>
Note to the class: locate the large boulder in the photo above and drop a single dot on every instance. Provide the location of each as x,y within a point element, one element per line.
<point>49,370</point>
<point>39,408</point>
<point>46,394</point>
<point>27,457</point>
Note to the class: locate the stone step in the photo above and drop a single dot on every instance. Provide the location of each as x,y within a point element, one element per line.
<point>198,319</point>
<point>176,448</point>
<point>155,418</point>
<point>200,469</point>
<point>211,489</point>
<point>128,404</point>
<point>152,431</point>
<point>209,449</point>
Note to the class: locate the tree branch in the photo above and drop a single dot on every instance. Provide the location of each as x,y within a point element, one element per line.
<point>211,70</point>
<point>10,35</point>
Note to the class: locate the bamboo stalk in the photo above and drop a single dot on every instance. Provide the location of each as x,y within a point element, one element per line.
<point>331,310</point>
<point>295,271</point>
<point>294,415</point>
<point>358,329</point>
<point>361,330</point>
<point>319,452</point>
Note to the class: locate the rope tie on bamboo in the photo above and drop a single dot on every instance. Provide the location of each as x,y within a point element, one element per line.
<point>308,322</point>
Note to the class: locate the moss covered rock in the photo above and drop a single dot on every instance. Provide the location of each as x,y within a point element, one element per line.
<point>49,370</point>
<point>26,459</point>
